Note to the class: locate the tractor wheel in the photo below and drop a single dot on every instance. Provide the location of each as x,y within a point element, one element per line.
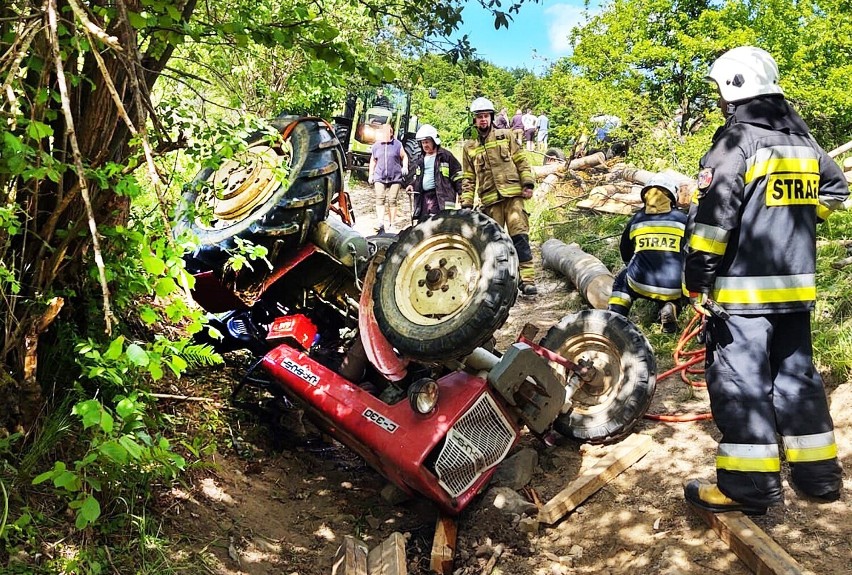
<point>244,198</point>
<point>607,407</point>
<point>412,149</point>
<point>446,286</point>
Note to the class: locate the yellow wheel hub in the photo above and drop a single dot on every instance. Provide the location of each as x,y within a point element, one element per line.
<point>243,183</point>
<point>600,353</point>
<point>437,279</point>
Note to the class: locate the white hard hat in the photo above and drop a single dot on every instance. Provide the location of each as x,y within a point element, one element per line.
<point>428,131</point>
<point>482,105</point>
<point>664,183</point>
<point>745,72</point>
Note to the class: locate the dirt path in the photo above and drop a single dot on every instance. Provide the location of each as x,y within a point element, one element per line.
<point>286,513</point>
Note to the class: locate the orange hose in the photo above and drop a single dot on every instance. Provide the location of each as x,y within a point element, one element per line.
<point>684,360</point>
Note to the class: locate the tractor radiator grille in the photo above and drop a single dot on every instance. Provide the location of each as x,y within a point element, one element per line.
<point>477,442</point>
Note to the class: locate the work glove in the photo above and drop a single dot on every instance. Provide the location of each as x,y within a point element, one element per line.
<point>404,171</point>
<point>698,302</point>
<point>527,193</point>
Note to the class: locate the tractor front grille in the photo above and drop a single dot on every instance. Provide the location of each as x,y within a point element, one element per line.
<point>478,441</point>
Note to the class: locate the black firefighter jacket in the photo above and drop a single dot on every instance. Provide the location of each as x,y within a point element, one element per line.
<point>763,186</point>
<point>447,180</point>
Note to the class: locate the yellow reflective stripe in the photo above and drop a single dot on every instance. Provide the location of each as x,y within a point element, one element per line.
<point>476,151</point>
<point>468,175</point>
<point>460,176</point>
<point>787,165</point>
<point>823,212</point>
<point>445,171</point>
<point>526,175</point>
<point>620,298</point>
<point>707,245</point>
<point>811,454</point>
<point>654,292</point>
<point>810,448</point>
<point>779,295</point>
<point>709,239</point>
<point>670,230</point>
<point>765,289</point>
<point>762,464</point>
<point>748,457</point>
<point>519,156</point>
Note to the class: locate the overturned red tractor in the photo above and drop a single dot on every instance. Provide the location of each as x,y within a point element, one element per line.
<point>384,341</point>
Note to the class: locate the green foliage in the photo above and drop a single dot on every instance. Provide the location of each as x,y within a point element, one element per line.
<point>123,445</point>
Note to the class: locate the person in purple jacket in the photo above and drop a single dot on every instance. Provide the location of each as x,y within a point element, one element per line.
<point>388,167</point>
<point>518,127</point>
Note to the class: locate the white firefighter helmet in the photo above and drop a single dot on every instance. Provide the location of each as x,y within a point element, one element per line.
<point>745,72</point>
<point>661,182</point>
<point>482,104</point>
<point>428,131</point>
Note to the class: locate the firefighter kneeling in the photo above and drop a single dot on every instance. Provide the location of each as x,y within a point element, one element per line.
<point>651,248</point>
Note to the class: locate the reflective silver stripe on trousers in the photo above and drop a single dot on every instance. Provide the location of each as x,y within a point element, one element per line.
<point>748,450</point>
<point>808,441</point>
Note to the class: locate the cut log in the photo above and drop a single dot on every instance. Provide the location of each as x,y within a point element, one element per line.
<point>612,199</point>
<point>591,278</point>
<point>351,557</point>
<point>623,456</point>
<point>686,186</point>
<point>389,557</point>
<point>634,175</point>
<point>756,549</point>
<point>444,545</point>
<point>837,151</point>
<point>540,172</point>
<point>586,162</point>
<point>847,164</point>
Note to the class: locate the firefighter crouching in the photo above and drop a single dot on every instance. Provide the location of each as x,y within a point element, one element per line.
<point>495,167</point>
<point>651,248</point>
<point>762,188</point>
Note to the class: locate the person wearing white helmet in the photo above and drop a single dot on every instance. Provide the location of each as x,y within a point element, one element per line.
<point>750,267</point>
<point>496,169</point>
<point>436,175</point>
<point>651,248</point>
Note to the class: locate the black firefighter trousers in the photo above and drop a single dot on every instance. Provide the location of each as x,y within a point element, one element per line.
<point>763,384</point>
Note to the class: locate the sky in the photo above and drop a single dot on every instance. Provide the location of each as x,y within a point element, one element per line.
<point>536,37</point>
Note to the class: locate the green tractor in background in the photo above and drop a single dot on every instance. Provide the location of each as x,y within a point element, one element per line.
<point>364,111</point>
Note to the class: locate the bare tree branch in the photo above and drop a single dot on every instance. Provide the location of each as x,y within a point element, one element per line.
<point>53,37</point>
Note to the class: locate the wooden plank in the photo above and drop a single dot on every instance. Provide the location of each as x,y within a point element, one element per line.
<point>751,544</point>
<point>351,557</point>
<point>623,456</point>
<point>443,545</point>
<point>389,557</point>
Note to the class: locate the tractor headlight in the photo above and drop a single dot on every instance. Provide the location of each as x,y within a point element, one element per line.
<point>423,395</point>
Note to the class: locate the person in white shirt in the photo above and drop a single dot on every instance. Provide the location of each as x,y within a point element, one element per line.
<point>529,121</point>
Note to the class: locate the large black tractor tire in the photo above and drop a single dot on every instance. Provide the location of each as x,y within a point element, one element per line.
<point>608,406</point>
<point>243,199</point>
<point>412,150</point>
<point>446,286</point>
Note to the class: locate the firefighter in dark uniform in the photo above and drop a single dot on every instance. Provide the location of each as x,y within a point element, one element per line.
<point>495,168</point>
<point>762,188</point>
<point>651,248</point>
